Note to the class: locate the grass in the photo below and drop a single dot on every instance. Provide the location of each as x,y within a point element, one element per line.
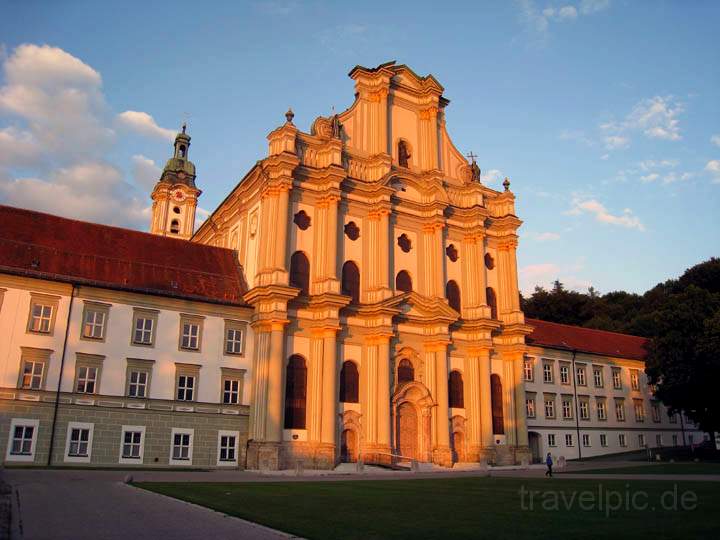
<point>458,508</point>
<point>662,468</point>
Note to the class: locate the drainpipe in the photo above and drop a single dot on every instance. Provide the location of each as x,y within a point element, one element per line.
<point>577,405</point>
<point>62,366</point>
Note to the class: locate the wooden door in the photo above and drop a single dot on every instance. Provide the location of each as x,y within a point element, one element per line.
<point>407,431</point>
<point>348,446</point>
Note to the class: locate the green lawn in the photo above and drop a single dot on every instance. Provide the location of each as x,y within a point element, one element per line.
<point>662,468</point>
<point>460,508</point>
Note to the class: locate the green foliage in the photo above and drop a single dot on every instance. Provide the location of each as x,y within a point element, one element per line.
<point>682,319</point>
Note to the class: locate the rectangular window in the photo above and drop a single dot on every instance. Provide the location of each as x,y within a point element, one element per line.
<point>95,317</point>
<point>658,440</point>
<point>617,379</point>
<point>32,376</point>
<point>655,412</point>
<point>528,369</point>
<point>568,439</point>
<point>86,380</point>
<point>231,391</point>
<point>41,316</point>
<point>551,439</point>
<point>586,439</point>
<point>228,447</point>
<point>181,448</point>
<point>620,410</point>
<point>185,387</point>
<point>234,332</point>
<point>603,439</point>
<point>601,409</point>
<point>191,327</point>
<point>641,440</point>
<point>639,410</point>
<point>580,376</point>
<point>549,408</point>
<point>690,439</point>
<point>598,377</point>
<point>78,445</point>
<point>564,374</point>
<point>143,330</point>
<point>547,373</point>
<point>567,409</point>
<point>675,440</point>
<point>634,379</point>
<point>530,407</point>
<point>672,417</point>
<point>621,439</point>
<point>137,384</point>
<point>584,410</point>
<point>131,444</point>
<point>22,439</point>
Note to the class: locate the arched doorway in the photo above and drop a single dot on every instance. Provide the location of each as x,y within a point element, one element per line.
<point>348,446</point>
<point>457,443</point>
<point>534,440</point>
<point>407,430</point>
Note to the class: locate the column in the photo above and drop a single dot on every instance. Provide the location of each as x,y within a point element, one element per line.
<point>329,389</point>
<point>486,400</point>
<point>430,261</point>
<point>473,275</point>
<point>261,366</point>
<point>473,407</point>
<point>509,411</point>
<point>520,412</point>
<point>436,365</point>
<point>383,394</point>
<point>376,255</point>
<point>508,299</point>
<point>281,225</point>
<point>275,385</point>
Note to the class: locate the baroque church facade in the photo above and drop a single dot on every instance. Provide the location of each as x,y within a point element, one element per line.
<point>354,298</point>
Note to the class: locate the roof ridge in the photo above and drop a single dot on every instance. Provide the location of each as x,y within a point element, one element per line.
<point>529,321</point>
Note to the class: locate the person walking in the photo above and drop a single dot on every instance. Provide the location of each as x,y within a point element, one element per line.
<point>549,463</point>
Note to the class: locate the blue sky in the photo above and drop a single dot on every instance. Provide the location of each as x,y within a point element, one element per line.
<point>604,114</point>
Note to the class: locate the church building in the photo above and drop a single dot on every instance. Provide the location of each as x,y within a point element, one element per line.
<point>354,297</point>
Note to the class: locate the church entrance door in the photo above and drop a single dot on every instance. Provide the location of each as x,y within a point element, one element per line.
<point>407,431</point>
<point>348,446</point>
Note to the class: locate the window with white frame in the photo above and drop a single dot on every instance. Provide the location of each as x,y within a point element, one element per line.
<point>22,438</point>
<point>132,444</point>
<point>232,385</point>
<point>580,375</point>
<point>231,391</point>
<point>42,313</point>
<point>186,387</point>
<point>641,440</point>
<point>567,409</point>
<point>137,384</point>
<point>617,378</point>
<point>190,332</point>
<point>564,374</point>
<point>144,323</point>
<point>228,447</point>
<point>568,439</point>
<point>621,439</point>
<point>634,379</point>
<point>551,439</point>
<point>675,440</point>
<point>601,409</point>
<point>78,446</point>
<point>32,376</point>
<point>655,412</point>
<point>598,377</point>
<point>586,439</point>
<point>658,440</point>
<point>530,407</point>
<point>547,372</point>
<point>603,439</point>
<point>234,332</point>
<point>94,320</point>
<point>620,410</point>
<point>549,408</point>
<point>584,410</point>
<point>528,369</point>
<point>86,379</point>
<point>639,410</point>
<point>181,447</point>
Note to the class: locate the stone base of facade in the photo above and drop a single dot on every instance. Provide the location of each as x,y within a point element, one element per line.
<point>376,455</point>
<point>523,455</point>
<point>308,455</point>
<point>263,455</point>
<point>479,454</point>
<point>442,455</point>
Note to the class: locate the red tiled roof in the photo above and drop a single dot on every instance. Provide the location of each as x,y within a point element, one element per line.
<point>564,336</point>
<point>51,247</point>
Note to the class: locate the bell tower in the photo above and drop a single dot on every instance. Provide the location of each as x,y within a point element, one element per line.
<point>175,195</point>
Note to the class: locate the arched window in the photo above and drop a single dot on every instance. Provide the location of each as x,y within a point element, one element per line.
<point>455,390</point>
<point>403,281</point>
<point>349,382</point>
<point>300,272</point>
<point>182,151</point>
<point>452,293</point>
<point>175,226</point>
<point>492,302</point>
<point>405,372</point>
<point>295,392</point>
<point>496,398</point>
<point>403,154</point>
<point>351,281</point>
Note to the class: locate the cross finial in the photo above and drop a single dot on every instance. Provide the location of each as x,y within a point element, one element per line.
<point>506,184</point>
<point>186,117</point>
<point>289,115</point>
<point>471,156</point>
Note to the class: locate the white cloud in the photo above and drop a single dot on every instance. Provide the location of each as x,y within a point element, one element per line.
<point>592,206</point>
<point>715,139</point>
<point>543,275</point>
<point>56,130</point>
<point>567,12</point>
<point>538,19</point>
<point>650,177</point>
<point>588,7</point>
<point>544,236</point>
<point>713,167</point>
<point>145,172</point>
<point>613,142</point>
<point>144,124</point>
<point>672,177</point>
<point>490,177</point>
<point>651,164</point>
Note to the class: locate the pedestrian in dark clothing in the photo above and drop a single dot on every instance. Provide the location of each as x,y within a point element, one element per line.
<point>549,463</point>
